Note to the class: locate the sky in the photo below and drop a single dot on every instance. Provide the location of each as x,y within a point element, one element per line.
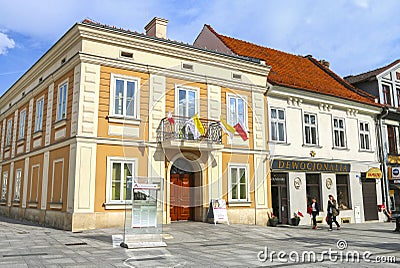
<point>353,35</point>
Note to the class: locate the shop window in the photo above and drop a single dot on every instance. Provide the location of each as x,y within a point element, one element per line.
<point>239,190</point>
<point>124,100</point>
<point>343,191</point>
<point>392,139</point>
<point>278,125</point>
<point>17,190</point>
<point>339,132</point>
<point>313,188</point>
<point>310,129</point>
<point>364,136</point>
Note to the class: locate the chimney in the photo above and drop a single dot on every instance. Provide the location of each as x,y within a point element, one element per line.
<point>157,27</point>
<point>325,63</point>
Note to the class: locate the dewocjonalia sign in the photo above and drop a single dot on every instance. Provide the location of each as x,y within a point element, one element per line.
<point>280,164</point>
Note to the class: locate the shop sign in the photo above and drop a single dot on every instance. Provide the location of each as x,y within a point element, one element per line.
<point>279,164</point>
<point>395,173</point>
<point>374,173</point>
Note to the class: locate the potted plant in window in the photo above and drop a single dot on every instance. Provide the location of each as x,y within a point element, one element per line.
<point>272,219</point>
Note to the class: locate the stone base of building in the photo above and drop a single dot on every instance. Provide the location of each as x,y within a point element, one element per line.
<point>97,220</point>
<point>248,216</point>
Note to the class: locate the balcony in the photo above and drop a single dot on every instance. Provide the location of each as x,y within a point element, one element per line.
<point>178,134</point>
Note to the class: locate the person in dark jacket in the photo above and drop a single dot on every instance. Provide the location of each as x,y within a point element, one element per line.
<point>333,211</point>
<point>314,212</point>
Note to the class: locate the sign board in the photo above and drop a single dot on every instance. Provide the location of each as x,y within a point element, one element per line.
<point>281,164</point>
<point>217,211</point>
<point>395,173</point>
<point>374,173</point>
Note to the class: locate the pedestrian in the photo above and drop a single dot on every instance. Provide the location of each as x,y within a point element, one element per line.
<point>314,212</point>
<point>333,211</point>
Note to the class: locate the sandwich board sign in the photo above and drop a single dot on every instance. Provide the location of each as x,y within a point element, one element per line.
<point>217,211</point>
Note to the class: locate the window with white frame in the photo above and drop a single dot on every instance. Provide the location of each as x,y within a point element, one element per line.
<point>339,132</point>
<point>4,186</point>
<point>21,128</point>
<point>62,101</point>
<point>310,129</point>
<point>124,96</point>
<point>17,190</point>
<point>278,125</point>
<point>121,180</point>
<point>237,110</point>
<point>364,136</point>
<point>239,188</point>
<point>39,114</point>
<point>9,132</point>
<point>187,101</point>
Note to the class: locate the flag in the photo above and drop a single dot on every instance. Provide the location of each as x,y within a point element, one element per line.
<point>228,129</point>
<point>190,127</point>
<point>198,124</point>
<point>241,130</point>
<point>300,214</point>
<point>170,118</point>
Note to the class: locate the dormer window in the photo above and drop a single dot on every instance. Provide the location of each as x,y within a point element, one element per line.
<point>398,76</point>
<point>387,96</point>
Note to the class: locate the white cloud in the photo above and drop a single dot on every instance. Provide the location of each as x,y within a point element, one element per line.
<point>5,43</point>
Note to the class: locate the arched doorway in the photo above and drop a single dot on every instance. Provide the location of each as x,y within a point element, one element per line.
<point>184,190</point>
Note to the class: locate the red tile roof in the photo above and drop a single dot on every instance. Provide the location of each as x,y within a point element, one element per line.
<point>299,72</point>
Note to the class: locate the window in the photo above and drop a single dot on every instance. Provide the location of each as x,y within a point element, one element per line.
<point>124,94</point>
<point>278,125</point>
<point>387,99</point>
<point>17,190</point>
<point>392,140</point>
<point>313,188</point>
<point>343,193</point>
<point>62,101</point>
<point>9,132</point>
<point>398,76</point>
<point>364,136</point>
<point>339,132</point>
<point>237,110</point>
<point>4,186</point>
<point>22,119</point>
<point>398,96</point>
<point>310,129</point>
<point>187,102</point>
<point>121,180</point>
<point>238,183</point>
<point>39,114</point>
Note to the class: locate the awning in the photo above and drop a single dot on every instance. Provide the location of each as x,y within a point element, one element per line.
<point>374,173</point>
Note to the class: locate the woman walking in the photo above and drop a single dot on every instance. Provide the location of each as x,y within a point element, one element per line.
<point>333,211</point>
<point>314,212</point>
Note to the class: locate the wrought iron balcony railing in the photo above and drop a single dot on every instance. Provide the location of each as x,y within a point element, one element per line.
<point>178,130</point>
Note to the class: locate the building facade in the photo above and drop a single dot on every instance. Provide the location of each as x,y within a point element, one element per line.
<point>384,84</point>
<point>321,134</point>
<point>91,116</point>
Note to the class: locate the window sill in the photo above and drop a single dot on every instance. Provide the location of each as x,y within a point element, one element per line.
<point>32,204</point>
<point>3,202</point>
<point>239,203</point>
<point>20,141</point>
<point>117,206</point>
<point>7,148</point>
<point>341,148</point>
<point>60,123</point>
<point>123,120</point>
<point>56,205</point>
<point>279,143</point>
<point>15,203</point>
<point>37,134</point>
<point>365,151</point>
<point>312,146</point>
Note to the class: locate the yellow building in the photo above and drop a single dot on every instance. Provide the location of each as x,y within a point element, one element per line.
<point>91,114</point>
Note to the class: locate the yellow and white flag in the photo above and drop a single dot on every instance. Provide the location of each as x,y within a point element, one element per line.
<point>228,129</point>
<point>198,124</point>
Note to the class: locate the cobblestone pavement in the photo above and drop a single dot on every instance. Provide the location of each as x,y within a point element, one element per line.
<point>195,244</point>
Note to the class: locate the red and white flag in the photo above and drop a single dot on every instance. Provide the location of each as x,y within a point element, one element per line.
<point>241,130</point>
<point>170,118</point>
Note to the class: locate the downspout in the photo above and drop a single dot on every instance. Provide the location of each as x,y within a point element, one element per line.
<point>382,157</point>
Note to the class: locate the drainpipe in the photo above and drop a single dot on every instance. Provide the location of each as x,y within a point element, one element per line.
<point>382,157</point>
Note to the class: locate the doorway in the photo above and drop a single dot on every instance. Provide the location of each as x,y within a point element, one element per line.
<point>280,197</point>
<point>370,200</point>
<point>180,197</point>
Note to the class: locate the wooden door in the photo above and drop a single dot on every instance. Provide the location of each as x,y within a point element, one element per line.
<point>370,200</point>
<point>180,197</point>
